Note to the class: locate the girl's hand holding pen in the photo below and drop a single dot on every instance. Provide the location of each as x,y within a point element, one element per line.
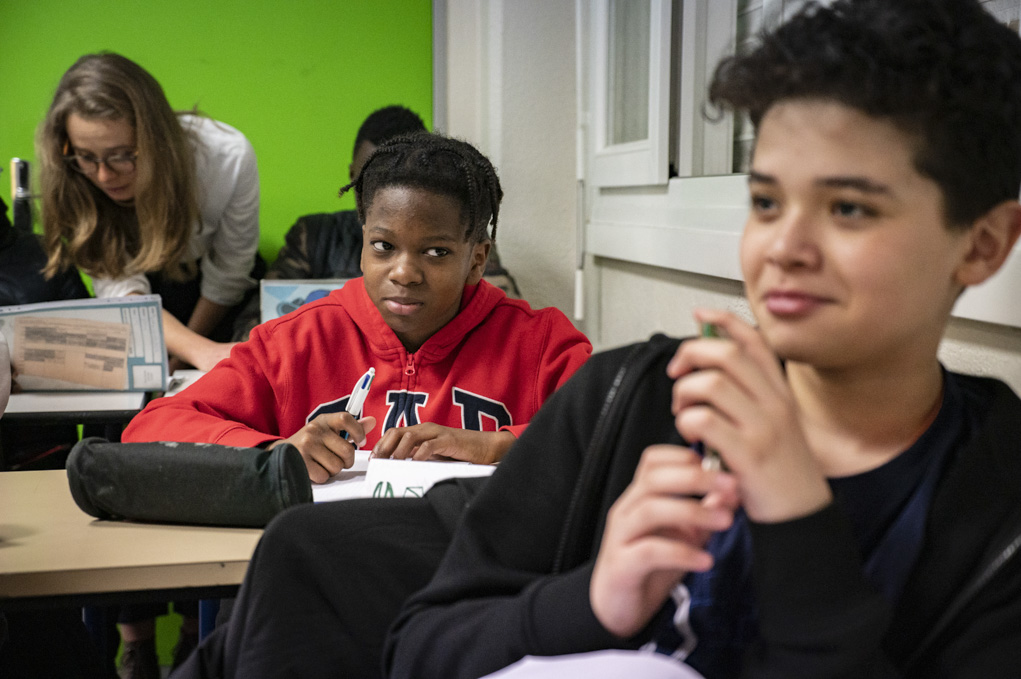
<point>327,443</point>
<point>323,445</point>
<point>731,394</point>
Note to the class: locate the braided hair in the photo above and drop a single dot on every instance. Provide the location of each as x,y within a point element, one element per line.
<point>438,164</point>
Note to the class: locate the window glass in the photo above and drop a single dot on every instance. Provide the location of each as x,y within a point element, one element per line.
<point>628,70</point>
<point>749,24</point>
<point>753,17</point>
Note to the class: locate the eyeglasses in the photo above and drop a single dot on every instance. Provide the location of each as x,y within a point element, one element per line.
<point>118,163</point>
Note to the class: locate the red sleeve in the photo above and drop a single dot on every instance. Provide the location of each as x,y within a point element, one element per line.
<point>564,351</point>
<point>234,404</point>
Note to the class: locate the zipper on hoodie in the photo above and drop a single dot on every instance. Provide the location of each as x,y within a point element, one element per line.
<point>409,367</point>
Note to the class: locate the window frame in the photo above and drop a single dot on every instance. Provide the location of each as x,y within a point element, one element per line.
<point>693,223</point>
<point>643,162</point>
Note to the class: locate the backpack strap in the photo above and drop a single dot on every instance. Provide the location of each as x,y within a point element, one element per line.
<point>575,544</point>
<point>992,564</point>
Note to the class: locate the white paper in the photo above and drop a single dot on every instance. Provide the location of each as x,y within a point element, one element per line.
<point>598,665</point>
<point>411,478</point>
<point>56,402</point>
<point>391,478</point>
<point>182,379</point>
<point>349,483</point>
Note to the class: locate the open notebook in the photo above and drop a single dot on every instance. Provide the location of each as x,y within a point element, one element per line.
<point>112,344</point>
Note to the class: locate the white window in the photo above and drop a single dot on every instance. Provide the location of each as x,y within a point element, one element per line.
<point>667,195</point>
<point>664,184</point>
<point>631,73</point>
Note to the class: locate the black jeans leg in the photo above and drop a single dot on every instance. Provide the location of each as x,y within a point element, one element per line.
<point>321,591</point>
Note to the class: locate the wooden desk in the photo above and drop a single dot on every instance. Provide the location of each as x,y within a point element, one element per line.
<point>52,553</point>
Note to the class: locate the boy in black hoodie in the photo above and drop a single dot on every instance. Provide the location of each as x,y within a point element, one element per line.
<point>867,517</point>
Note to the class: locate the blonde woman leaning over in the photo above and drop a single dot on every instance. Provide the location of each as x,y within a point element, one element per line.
<point>146,200</point>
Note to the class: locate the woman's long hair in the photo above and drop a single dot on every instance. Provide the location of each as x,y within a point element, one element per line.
<point>82,226</point>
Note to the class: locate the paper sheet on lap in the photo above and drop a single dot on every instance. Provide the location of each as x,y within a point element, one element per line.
<point>598,665</point>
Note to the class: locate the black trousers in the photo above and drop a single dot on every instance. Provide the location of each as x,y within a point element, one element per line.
<point>325,583</point>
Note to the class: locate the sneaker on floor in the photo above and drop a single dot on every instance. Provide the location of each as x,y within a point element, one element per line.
<point>138,660</point>
<point>186,643</point>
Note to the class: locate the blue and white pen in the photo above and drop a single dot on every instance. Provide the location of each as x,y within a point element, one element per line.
<point>359,394</point>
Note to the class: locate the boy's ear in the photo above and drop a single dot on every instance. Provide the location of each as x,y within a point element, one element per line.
<point>990,241</point>
<point>480,253</point>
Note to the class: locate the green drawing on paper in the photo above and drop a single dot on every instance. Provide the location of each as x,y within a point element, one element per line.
<point>381,491</point>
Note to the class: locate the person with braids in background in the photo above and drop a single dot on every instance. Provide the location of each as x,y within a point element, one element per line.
<point>435,333</point>
<point>329,244</point>
<point>450,351</point>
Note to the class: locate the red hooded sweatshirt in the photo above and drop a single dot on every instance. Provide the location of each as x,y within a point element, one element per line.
<point>490,367</point>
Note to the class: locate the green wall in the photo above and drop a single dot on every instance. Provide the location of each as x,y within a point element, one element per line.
<point>297,78</point>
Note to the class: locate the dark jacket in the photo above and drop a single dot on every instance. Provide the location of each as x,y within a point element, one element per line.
<point>515,579</point>
<point>329,245</point>
<point>21,263</point>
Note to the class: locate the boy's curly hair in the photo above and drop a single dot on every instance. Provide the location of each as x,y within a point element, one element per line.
<point>945,72</point>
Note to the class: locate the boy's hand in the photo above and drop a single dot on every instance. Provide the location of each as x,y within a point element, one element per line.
<point>655,534</point>
<point>323,448</point>
<point>434,442</point>
<point>731,393</point>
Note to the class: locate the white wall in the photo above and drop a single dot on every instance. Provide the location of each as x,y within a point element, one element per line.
<point>637,300</point>
<point>511,89</point>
